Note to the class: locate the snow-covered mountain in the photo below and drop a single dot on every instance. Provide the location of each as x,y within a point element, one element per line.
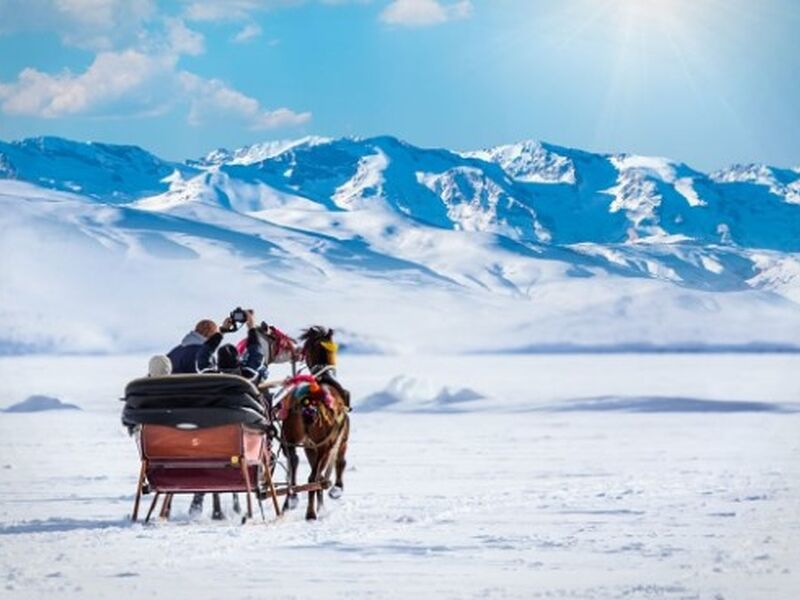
<point>522,246</point>
<point>106,172</point>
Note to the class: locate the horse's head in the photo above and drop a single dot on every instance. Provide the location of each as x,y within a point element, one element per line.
<point>319,349</point>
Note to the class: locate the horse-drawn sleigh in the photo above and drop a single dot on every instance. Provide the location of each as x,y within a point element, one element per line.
<point>215,433</point>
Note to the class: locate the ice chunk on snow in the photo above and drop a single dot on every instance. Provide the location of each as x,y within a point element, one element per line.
<point>405,393</point>
<point>38,403</point>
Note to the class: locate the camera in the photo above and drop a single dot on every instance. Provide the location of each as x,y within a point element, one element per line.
<point>238,315</point>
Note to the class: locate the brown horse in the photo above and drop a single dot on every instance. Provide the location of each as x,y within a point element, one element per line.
<point>316,420</point>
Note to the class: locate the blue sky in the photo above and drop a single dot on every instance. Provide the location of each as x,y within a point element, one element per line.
<point>708,82</point>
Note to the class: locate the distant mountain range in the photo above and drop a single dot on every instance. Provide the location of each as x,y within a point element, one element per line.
<point>519,247</point>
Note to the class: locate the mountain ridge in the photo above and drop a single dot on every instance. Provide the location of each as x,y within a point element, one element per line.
<point>596,245</point>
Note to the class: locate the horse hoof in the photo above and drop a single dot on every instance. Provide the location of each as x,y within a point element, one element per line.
<point>311,517</point>
<point>291,502</point>
<point>336,492</point>
<point>218,516</point>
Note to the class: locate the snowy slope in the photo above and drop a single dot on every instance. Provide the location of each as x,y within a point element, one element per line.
<point>522,246</point>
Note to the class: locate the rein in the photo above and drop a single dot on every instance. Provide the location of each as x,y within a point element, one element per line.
<point>335,433</point>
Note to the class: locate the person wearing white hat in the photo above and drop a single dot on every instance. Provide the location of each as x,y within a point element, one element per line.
<point>159,366</point>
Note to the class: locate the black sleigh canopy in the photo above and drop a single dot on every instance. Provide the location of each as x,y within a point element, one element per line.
<point>205,400</point>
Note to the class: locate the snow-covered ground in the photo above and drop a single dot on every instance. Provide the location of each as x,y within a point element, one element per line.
<point>573,476</point>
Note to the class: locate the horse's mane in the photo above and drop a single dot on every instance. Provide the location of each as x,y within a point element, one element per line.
<point>313,335</point>
<point>316,332</point>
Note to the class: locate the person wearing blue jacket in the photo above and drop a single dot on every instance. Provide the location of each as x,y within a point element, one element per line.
<point>184,356</point>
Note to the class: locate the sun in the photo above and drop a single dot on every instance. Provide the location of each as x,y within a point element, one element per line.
<point>660,18</point>
<point>621,22</point>
<point>643,11</point>
<point>637,44</point>
<point>633,50</point>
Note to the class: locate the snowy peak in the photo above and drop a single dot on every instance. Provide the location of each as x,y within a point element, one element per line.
<point>650,166</point>
<point>754,173</point>
<point>476,202</point>
<point>780,182</point>
<point>641,186</point>
<point>255,153</point>
<point>530,162</point>
<point>109,172</point>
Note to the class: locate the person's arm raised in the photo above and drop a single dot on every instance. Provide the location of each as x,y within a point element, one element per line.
<point>206,352</point>
<point>255,354</point>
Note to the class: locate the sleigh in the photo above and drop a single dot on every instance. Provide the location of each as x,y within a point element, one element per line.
<point>199,433</point>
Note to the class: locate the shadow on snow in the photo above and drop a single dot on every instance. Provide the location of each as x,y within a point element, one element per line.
<point>666,404</point>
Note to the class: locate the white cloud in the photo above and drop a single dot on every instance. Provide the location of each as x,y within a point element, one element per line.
<point>243,10</point>
<point>137,83</point>
<point>220,10</point>
<point>131,78</point>
<point>100,13</point>
<point>420,13</point>
<point>231,10</point>
<point>92,24</point>
<point>212,98</point>
<point>183,40</point>
<point>117,24</point>
<point>142,78</point>
<point>247,33</point>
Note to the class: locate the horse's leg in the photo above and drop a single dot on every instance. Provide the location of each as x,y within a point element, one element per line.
<point>217,513</point>
<point>338,488</point>
<point>236,506</point>
<point>196,508</point>
<point>311,511</point>
<point>292,461</point>
<point>322,462</point>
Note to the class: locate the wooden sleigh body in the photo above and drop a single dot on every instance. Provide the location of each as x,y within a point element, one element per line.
<point>227,458</point>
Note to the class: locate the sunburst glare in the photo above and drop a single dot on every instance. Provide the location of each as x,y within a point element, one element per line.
<point>636,43</point>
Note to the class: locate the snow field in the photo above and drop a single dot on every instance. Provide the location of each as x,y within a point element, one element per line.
<point>512,497</point>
